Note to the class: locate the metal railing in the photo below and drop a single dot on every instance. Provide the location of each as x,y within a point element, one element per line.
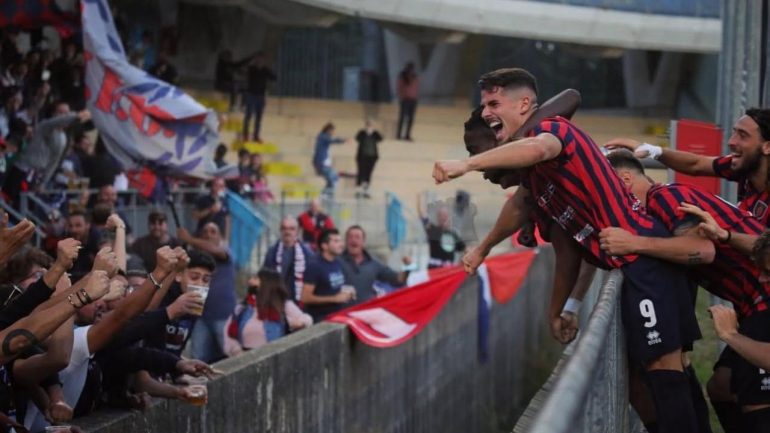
<point>40,205</point>
<point>590,391</point>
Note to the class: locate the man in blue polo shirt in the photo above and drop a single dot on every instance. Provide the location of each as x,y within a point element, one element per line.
<point>325,290</point>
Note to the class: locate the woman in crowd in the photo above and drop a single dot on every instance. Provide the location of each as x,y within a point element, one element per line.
<point>366,156</point>
<point>266,314</point>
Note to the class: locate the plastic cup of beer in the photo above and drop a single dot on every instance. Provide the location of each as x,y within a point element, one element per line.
<point>198,395</point>
<point>203,291</point>
<point>350,289</point>
<point>58,429</point>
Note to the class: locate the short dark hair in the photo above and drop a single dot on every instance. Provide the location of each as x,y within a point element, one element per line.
<point>20,264</point>
<point>478,136</point>
<point>323,238</point>
<point>508,78</point>
<point>101,213</point>
<point>762,117</point>
<point>221,150</point>
<point>200,259</point>
<point>625,159</point>
<point>328,127</point>
<point>155,216</point>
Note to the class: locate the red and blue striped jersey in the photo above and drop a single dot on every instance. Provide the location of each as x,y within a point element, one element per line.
<point>732,275</point>
<point>581,192</point>
<point>749,198</point>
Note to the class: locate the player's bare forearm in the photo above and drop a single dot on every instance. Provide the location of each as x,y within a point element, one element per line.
<point>743,242</point>
<point>568,260</point>
<point>686,250</point>
<point>688,163</point>
<point>584,280</point>
<point>753,351</point>
<point>517,154</point>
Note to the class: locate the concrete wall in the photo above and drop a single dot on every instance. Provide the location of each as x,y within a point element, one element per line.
<point>324,380</point>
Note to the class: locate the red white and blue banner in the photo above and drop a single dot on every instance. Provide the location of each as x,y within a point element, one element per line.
<point>144,121</point>
<point>395,318</point>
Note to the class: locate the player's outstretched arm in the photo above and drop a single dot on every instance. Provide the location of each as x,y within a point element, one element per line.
<point>686,249</point>
<point>516,154</point>
<point>568,260</point>
<point>683,162</point>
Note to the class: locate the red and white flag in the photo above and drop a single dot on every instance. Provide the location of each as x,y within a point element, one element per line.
<point>397,317</point>
<point>392,319</point>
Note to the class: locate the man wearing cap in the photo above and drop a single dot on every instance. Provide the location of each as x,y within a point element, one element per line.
<point>157,237</point>
<point>136,272</point>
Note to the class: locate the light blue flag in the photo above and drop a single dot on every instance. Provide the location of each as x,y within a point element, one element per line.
<point>246,229</point>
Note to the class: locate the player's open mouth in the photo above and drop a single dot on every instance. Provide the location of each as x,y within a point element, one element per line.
<point>497,127</point>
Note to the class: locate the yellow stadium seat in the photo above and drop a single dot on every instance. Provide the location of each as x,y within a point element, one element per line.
<point>299,190</point>
<point>218,105</point>
<point>263,148</point>
<point>281,168</point>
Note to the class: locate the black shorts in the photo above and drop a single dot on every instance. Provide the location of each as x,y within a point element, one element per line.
<point>657,309</point>
<point>728,359</point>
<point>750,383</point>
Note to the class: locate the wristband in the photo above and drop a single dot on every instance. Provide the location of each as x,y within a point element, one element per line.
<point>80,298</point>
<point>86,296</point>
<point>572,306</point>
<point>154,281</point>
<point>652,150</point>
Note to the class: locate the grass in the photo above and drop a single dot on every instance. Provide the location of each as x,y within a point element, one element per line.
<point>706,350</point>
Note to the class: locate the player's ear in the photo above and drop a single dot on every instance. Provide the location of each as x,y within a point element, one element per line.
<point>765,148</point>
<point>526,103</point>
<point>626,177</point>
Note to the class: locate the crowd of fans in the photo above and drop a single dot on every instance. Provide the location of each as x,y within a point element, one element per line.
<point>90,328</point>
<point>96,316</point>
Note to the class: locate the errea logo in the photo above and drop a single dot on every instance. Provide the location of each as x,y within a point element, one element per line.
<point>765,384</point>
<point>653,337</point>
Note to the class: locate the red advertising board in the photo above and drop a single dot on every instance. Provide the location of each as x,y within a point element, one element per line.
<point>700,138</point>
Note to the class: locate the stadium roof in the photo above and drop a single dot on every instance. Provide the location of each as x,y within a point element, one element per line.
<point>667,25</point>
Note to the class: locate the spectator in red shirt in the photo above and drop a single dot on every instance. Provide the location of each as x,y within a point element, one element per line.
<point>407,87</point>
<point>313,221</point>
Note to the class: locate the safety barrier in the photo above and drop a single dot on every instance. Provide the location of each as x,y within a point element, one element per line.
<point>323,379</point>
<point>588,390</point>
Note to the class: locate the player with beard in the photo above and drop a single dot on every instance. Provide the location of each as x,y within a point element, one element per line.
<point>748,164</point>
<point>567,177</point>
